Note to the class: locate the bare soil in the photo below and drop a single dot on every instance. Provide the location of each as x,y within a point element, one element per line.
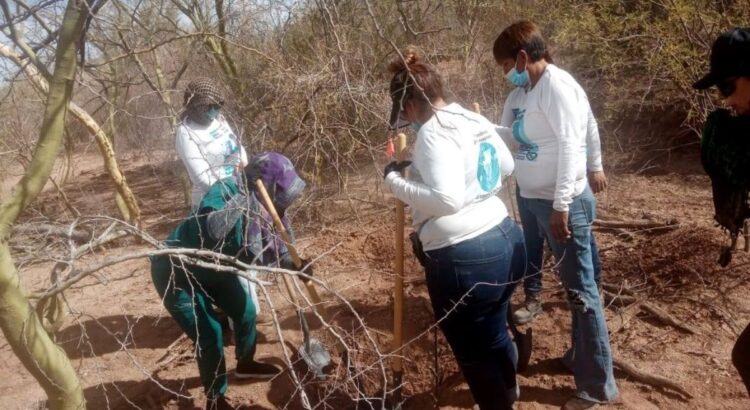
<point>118,331</point>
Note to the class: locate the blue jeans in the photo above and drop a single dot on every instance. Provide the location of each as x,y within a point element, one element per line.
<point>590,354</point>
<point>532,282</point>
<point>470,285</point>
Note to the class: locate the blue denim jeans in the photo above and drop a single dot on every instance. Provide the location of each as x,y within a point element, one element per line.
<point>470,285</point>
<point>590,354</point>
<point>532,282</point>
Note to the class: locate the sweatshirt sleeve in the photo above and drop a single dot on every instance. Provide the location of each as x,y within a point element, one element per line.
<point>593,145</point>
<point>243,157</point>
<point>504,129</point>
<point>506,158</point>
<point>190,153</point>
<point>506,119</point>
<point>443,190</point>
<point>562,108</point>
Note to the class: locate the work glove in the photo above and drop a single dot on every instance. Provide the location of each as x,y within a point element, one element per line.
<point>287,263</point>
<point>395,166</point>
<point>308,269</point>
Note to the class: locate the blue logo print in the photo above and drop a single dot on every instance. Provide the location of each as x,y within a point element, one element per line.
<point>231,160</point>
<point>488,167</point>
<point>528,150</point>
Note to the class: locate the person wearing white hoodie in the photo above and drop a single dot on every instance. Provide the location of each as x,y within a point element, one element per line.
<point>550,114</point>
<point>472,252</point>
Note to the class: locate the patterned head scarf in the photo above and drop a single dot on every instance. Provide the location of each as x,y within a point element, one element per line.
<point>201,93</point>
<point>284,186</point>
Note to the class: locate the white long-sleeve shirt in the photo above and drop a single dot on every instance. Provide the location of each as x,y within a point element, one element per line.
<point>556,134</point>
<point>209,152</point>
<point>593,145</point>
<point>458,163</point>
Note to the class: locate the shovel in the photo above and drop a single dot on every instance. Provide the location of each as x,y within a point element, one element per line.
<point>523,342</point>
<point>312,351</point>
<point>398,300</point>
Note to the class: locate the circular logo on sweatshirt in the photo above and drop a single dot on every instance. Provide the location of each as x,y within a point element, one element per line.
<point>488,167</point>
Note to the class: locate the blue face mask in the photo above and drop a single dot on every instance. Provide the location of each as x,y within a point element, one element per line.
<point>416,125</point>
<point>212,113</point>
<point>518,79</point>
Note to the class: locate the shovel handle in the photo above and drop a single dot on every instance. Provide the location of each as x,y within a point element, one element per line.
<point>266,199</point>
<point>284,235</point>
<point>398,300</point>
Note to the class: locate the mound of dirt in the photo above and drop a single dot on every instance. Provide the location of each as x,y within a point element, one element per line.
<point>675,260</point>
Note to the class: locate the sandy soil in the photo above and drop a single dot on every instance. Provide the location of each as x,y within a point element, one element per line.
<point>118,332</point>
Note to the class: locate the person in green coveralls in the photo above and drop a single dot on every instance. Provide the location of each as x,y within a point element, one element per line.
<point>230,220</point>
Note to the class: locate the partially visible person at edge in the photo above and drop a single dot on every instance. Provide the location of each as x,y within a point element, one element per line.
<point>205,143</point>
<point>725,150</point>
<point>470,249</point>
<point>230,220</point>
<point>532,282</point>
<point>549,117</point>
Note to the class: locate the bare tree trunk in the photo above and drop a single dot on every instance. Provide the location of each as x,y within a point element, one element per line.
<point>125,199</point>
<point>21,326</point>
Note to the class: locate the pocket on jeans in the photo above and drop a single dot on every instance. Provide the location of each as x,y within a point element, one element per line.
<point>484,278</point>
<point>583,213</point>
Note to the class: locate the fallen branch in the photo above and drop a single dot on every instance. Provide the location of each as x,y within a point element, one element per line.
<point>170,355</point>
<point>638,225</point>
<point>44,229</point>
<point>654,310</point>
<point>650,379</point>
<point>623,300</point>
<point>665,317</point>
<point>624,316</point>
<point>618,289</point>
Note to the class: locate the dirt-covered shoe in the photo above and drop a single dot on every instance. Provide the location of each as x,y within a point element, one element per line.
<point>256,370</point>
<point>530,309</point>
<point>577,403</point>
<point>218,403</point>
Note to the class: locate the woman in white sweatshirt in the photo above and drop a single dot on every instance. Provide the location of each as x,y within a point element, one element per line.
<point>205,143</point>
<point>472,251</point>
<point>208,148</point>
<point>548,114</point>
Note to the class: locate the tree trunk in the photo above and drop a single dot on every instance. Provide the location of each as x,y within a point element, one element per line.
<point>18,321</point>
<point>125,199</point>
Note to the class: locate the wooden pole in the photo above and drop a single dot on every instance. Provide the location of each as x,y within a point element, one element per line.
<point>398,305</point>
<point>288,242</point>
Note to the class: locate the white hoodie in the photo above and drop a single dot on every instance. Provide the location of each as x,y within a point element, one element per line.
<point>209,152</point>
<point>556,134</point>
<point>458,163</point>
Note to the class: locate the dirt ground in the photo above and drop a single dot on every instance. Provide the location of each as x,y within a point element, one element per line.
<point>118,334</point>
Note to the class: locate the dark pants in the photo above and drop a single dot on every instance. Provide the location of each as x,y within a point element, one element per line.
<point>477,273</point>
<point>741,357</point>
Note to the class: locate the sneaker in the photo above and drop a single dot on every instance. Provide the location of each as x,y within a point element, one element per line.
<point>256,370</point>
<point>577,403</point>
<point>218,403</point>
<point>531,309</point>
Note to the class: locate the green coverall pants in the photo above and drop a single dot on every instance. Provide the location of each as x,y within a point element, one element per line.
<point>188,295</point>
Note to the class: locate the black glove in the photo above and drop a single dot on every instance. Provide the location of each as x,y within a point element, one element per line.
<point>308,269</point>
<point>395,166</point>
<point>287,263</point>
